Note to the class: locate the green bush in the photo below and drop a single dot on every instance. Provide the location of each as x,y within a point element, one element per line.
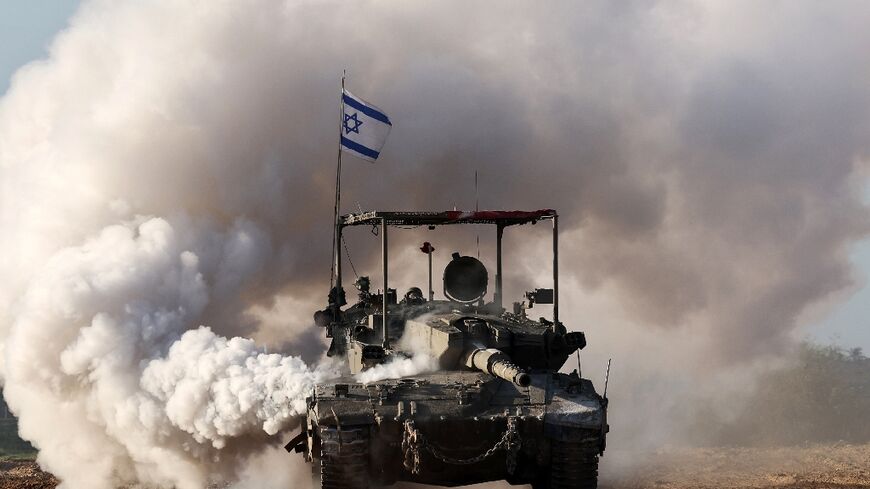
<point>825,397</point>
<point>10,443</point>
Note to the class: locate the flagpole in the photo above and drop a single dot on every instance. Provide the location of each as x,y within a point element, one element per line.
<point>335,278</point>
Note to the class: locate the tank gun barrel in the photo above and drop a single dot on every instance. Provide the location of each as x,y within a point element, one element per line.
<point>498,363</point>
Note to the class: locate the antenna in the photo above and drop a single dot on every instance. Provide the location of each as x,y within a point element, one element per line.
<point>476,196</point>
<point>607,377</point>
<point>477,208</point>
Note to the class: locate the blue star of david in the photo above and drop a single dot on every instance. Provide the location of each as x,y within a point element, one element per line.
<point>353,119</point>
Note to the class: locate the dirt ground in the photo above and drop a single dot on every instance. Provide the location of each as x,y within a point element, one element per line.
<point>24,474</point>
<point>815,467</point>
<point>811,467</point>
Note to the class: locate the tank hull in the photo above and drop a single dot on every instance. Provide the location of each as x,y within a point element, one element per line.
<point>455,428</point>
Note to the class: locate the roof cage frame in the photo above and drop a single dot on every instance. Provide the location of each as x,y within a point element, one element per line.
<point>501,219</point>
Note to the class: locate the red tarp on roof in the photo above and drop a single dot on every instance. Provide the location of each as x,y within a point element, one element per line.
<point>406,218</point>
<point>499,215</point>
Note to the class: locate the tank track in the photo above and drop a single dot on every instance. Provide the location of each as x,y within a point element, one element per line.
<point>344,458</point>
<point>572,466</point>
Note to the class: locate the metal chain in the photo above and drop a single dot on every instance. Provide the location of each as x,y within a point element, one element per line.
<point>413,441</point>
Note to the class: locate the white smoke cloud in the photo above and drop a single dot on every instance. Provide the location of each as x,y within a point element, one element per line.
<point>420,360</point>
<point>105,331</point>
<point>399,367</point>
<point>215,388</point>
<point>271,468</point>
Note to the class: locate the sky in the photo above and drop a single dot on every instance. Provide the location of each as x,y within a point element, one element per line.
<point>27,28</point>
<point>847,324</point>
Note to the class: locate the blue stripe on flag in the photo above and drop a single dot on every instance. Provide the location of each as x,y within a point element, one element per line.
<point>359,148</point>
<point>365,109</point>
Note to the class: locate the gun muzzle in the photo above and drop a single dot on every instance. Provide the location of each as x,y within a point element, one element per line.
<point>496,362</point>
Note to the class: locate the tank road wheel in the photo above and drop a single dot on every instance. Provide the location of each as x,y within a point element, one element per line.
<point>572,466</point>
<point>344,458</point>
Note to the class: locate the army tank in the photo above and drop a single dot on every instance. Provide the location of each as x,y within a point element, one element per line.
<point>494,406</point>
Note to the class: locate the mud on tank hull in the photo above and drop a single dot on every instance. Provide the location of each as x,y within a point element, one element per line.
<point>457,428</point>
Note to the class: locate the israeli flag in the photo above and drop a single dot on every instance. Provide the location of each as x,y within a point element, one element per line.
<point>364,127</point>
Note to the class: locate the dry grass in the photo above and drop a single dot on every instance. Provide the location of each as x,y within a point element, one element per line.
<point>813,467</point>
<point>818,466</point>
<point>24,474</point>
